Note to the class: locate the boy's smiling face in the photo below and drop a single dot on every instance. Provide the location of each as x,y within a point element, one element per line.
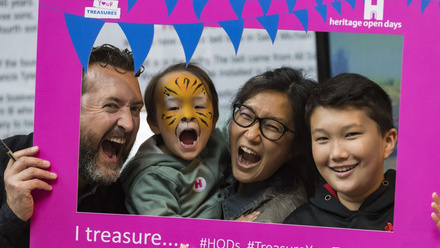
<point>185,115</point>
<point>349,151</point>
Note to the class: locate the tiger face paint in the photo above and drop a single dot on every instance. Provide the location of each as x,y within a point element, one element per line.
<point>185,115</point>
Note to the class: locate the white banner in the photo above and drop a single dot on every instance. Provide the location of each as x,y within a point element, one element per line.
<point>18,44</point>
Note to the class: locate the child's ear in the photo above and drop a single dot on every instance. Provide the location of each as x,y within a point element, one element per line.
<point>390,142</point>
<point>153,126</point>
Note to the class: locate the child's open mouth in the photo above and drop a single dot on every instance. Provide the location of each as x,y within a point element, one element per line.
<point>188,137</point>
<point>112,147</point>
<point>247,157</point>
<point>188,134</point>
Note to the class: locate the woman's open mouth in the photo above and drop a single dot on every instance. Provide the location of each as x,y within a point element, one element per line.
<point>247,157</point>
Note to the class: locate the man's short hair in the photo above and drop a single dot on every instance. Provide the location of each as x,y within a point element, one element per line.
<point>109,55</point>
<point>353,90</point>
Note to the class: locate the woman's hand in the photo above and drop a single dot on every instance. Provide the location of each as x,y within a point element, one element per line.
<point>250,217</point>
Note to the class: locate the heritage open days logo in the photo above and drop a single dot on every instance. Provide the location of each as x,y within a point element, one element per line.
<point>373,17</point>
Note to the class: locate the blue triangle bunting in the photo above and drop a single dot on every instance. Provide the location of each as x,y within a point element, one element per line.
<point>170,5</point>
<point>198,6</point>
<point>337,6</point>
<point>352,3</point>
<point>270,23</point>
<point>303,17</point>
<point>140,37</point>
<point>189,35</point>
<point>83,33</point>
<point>322,10</point>
<point>237,6</point>
<point>318,2</point>
<point>291,5</point>
<point>234,29</point>
<point>265,5</point>
<point>408,2</point>
<point>425,4</point>
<point>131,3</point>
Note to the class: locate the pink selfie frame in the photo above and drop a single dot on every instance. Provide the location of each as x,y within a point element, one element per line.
<point>56,222</point>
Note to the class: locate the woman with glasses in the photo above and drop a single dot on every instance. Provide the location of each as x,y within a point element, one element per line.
<point>270,148</point>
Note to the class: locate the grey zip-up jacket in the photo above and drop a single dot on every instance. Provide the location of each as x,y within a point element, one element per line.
<point>162,185</point>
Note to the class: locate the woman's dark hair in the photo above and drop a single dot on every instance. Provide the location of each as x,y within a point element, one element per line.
<point>149,96</point>
<point>301,168</point>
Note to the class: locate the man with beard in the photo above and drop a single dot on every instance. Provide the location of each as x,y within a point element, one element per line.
<point>110,105</point>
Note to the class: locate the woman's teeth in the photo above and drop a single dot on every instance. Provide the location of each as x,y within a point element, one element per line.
<point>247,150</point>
<point>248,156</point>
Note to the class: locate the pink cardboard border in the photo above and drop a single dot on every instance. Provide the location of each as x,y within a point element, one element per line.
<point>57,123</point>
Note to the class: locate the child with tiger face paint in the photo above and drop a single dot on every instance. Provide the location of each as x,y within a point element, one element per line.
<point>181,169</point>
<point>185,115</point>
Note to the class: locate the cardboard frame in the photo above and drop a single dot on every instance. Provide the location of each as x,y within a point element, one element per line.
<point>56,222</point>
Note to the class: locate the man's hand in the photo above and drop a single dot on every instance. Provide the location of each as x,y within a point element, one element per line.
<point>436,207</point>
<point>23,176</point>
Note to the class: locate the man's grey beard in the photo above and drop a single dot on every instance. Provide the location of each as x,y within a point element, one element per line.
<point>88,168</point>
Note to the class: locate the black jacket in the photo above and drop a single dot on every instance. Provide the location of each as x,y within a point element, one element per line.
<point>13,231</point>
<point>324,209</point>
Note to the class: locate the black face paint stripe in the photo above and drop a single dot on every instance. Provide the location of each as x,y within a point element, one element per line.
<point>198,86</point>
<point>177,82</point>
<point>186,81</point>
<point>202,114</point>
<point>170,90</point>
<point>195,82</point>
<point>171,123</point>
<point>204,122</point>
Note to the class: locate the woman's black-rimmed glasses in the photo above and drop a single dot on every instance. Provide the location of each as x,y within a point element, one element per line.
<point>271,129</point>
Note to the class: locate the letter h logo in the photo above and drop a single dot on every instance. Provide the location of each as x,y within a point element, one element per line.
<point>376,10</point>
<point>199,184</point>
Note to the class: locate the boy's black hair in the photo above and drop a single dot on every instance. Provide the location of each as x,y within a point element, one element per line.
<point>353,90</point>
<point>109,55</point>
<point>193,68</point>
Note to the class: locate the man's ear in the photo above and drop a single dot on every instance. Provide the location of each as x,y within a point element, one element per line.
<point>390,142</point>
<point>153,126</point>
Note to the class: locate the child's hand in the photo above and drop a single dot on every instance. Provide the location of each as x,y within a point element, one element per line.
<point>251,217</point>
<point>436,206</point>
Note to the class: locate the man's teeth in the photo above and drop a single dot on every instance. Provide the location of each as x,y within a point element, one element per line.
<point>343,169</point>
<point>247,150</point>
<point>117,140</point>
